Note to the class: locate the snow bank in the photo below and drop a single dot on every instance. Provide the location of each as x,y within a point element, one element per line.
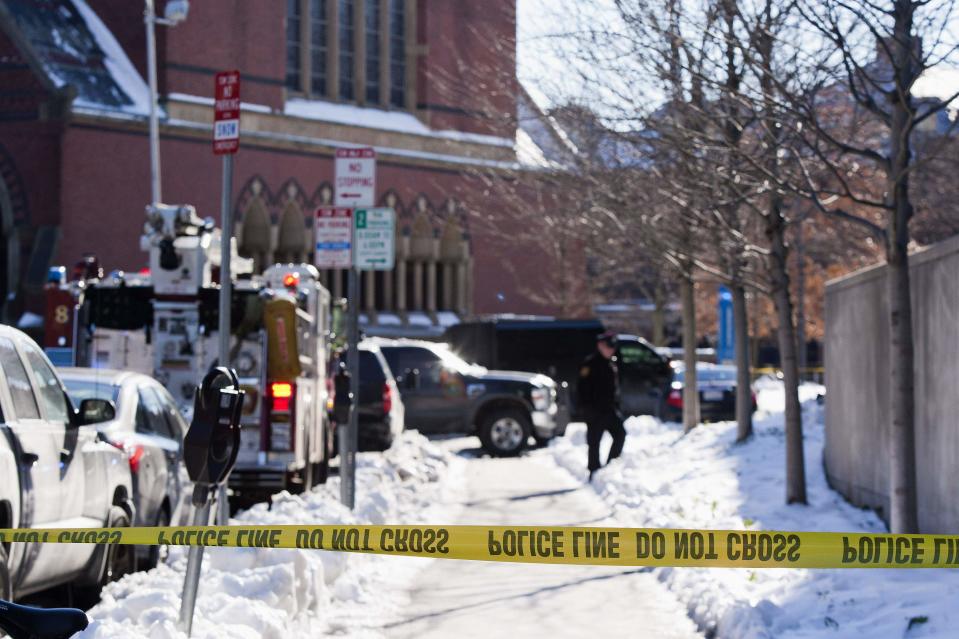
<point>706,480</point>
<point>280,593</point>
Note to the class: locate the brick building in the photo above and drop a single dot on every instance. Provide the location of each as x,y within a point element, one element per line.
<point>431,84</point>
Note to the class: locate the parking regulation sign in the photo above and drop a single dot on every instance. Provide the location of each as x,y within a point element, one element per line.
<point>334,237</point>
<point>355,177</point>
<point>226,113</point>
<point>374,239</point>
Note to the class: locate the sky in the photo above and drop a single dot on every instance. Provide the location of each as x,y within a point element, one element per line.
<point>547,74</point>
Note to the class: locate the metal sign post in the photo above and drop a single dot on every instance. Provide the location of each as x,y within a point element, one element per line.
<point>334,250</point>
<point>349,435</point>
<point>355,185</point>
<point>226,142</point>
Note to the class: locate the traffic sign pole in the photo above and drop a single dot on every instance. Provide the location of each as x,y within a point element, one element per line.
<point>226,142</point>
<point>349,433</point>
<point>355,186</point>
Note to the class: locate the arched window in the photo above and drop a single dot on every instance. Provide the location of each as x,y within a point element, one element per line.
<point>290,245</point>
<point>350,51</point>
<point>347,45</point>
<point>255,238</point>
<point>373,47</point>
<point>398,53</point>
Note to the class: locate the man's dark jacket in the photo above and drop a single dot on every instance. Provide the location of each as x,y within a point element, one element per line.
<point>597,389</point>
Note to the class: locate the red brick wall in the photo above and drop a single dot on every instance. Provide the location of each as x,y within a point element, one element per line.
<point>467,77</point>
<point>222,35</point>
<point>103,202</point>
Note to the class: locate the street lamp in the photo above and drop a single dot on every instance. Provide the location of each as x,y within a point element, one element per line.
<point>174,13</point>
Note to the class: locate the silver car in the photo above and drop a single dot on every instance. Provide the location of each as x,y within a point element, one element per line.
<point>149,429</point>
<point>55,472</point>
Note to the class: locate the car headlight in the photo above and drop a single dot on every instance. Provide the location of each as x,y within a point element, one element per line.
<point>540,397</point>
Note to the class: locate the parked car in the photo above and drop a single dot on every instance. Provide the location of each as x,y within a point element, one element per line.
<point>381,410</point>
<point>56,472</point>
<point>557,348</point>
<point>644,376</point>
<point>445,394</point>
<point>149,430</point>
<point>717,393</point>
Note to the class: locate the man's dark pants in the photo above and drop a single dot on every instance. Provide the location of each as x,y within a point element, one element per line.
<point>597,423</point>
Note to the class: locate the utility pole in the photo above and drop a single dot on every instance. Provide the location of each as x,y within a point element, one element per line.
<point>174,13</point>
<point>150,18</point>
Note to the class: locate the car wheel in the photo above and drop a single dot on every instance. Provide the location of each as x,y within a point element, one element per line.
<point>6,587</point>
<point>158,554</point>
<point>505,432</point>
<point>120,560</point>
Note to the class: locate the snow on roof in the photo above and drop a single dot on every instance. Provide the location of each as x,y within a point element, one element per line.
<point>540,141</point>
<point>72,47</point>
<point>382,119</point>
<point>208,101</point>
<point>528,153</point>
<point>117,62</point>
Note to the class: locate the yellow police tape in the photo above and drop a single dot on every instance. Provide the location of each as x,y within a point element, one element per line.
<point>550,544</point>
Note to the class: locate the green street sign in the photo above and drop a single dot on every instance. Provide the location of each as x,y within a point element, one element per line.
<point>374,239</point>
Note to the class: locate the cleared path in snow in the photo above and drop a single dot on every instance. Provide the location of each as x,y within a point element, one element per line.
<point>478,599</point>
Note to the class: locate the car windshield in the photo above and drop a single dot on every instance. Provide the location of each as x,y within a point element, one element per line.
<point>80,390</point>
<point>717,374</point>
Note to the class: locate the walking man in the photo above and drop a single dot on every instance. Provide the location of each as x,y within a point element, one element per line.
<point>598,399</point>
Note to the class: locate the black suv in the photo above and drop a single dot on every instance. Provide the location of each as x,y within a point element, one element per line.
<point>380,409</point>
<point>445,394</point>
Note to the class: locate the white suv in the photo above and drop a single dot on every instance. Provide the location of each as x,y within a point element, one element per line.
<point>55,472</point>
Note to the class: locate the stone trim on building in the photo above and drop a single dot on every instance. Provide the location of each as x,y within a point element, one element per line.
<point>434,265</point>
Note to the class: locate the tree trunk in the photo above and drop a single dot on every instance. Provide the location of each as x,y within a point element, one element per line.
<point>903,515</point>
<point>744,395</point>
<point>795,462</point>
<point>801,300</point>
<point>690,385</point>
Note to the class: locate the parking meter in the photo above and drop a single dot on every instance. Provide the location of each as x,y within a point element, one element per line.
<point>342,397</point>
<point>212,443</point>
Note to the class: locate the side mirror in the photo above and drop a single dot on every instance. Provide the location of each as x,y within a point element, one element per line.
<point>411,379</point>
<point>342,398</point>
<point>211,444</point>
<point>95,411</point>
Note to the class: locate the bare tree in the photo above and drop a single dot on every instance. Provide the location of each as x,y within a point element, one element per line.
<point>853,111</point>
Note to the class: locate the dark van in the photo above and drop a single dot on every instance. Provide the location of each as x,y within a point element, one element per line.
<point>557,348</point>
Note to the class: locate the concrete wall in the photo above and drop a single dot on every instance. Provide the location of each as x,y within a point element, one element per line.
<point>857,382</point>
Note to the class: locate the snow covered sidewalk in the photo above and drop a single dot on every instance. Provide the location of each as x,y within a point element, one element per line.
<point>476,599</point>
<point>279,593</point>
<point>706,480</point>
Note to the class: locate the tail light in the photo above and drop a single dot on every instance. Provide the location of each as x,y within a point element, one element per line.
<point>387,399</point>
<point>282,411</point>
<point>675,398</point>
<point>134,453</point>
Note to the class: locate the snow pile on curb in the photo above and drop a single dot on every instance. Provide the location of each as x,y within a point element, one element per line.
<point>281,593</point>
<point>706,480</point>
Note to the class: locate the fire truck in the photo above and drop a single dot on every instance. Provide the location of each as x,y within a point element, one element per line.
<point>162,321</point>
